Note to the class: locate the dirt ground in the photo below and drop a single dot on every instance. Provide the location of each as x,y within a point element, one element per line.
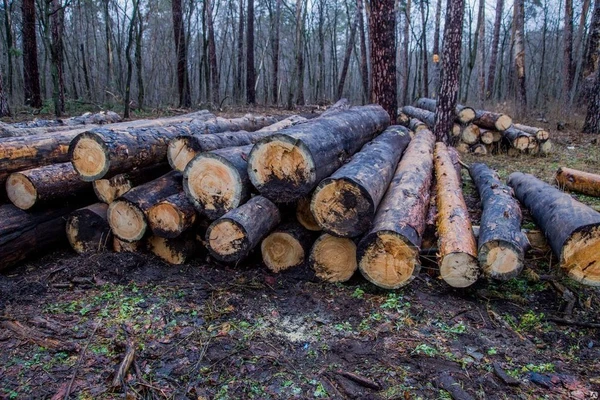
<point>210,331</point>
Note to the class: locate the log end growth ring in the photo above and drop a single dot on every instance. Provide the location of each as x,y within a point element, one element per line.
<point>500,260</point>
<point>333,258</point>
<point>226,240</point>
<point>281,251</point>
<point>126,220</point>
<point>459,269</point>
<point>580,255</point>
<point>388,260</point>
<point>179,153</point>
<point>21,191</point>
<point>342,207</point>
<point>503,122</point>
<point>89,157</point>
<point>166,220</point>
<point>213,185</point>
<point>466,115</point>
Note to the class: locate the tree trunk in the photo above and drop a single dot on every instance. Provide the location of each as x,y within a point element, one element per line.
<point>232,237</point>
<point>450,77</point>
<point>127,215</point>
<point>4,108</point>
<point>333,258</point>
<point>501,245</point>
<point>407,54</point>
<point>237,88</point>
<point>436,49</point>
<point>138,61</point>
<point>183,84</point>
<point>382,29</point>
<point>568,50</point>
<point>31,75</point>
<point>592,118</point>
<point>88,230</point>
<point>592,56</point>
<point>288,246</point>
<point>212,53</point>
<point>172,216</point>
<point>132,25</point>
<point>250,72</point>
<point>389,254</point>
<point>288,165</point>
<point>519,55</point>
<point>56,49</point>
<point>108,190</point>
<point>345,203</point>
<point>37,186</point>
<point>424,18</point>
<point>457,256</point>
<point>346,62</point>
<point>578,181</point>
<point>572,228</point>
<point>481,53</point>
<point>364,69</point>
<point>275,82</point>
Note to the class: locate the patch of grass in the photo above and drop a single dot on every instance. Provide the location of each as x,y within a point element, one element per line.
<point>457,328</point>
<point>426,349</point>
<point>358,293</point>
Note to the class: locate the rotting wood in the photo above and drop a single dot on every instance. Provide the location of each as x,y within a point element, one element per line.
<point>88,230</point>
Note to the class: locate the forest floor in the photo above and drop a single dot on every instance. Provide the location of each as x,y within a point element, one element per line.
<point>204,331</point>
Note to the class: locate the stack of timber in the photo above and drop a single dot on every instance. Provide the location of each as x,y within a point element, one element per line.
<point>571,228</point>
<point>416,115</point>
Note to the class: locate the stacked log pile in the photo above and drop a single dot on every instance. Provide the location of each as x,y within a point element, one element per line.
<point>343,193</point>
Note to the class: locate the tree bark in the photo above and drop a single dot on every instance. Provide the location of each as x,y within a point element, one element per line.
<point>464,114</point>
<point>212,53</point>
<point>170,217</point>
<point>31,75</point>
<point>382,28</point>
<point>250,72</point>
<point>491,120</point>
<point>578,181</point>
<point>132,24</point>
<point>232,237</point>
<point>275,84</point>
<point>519,55</point>
<point>345,203</point>
<point>481,54</point>
<point>183,84</point>
<point>176,251</point>
<point>288,246</point>
<point>449,81</point>
<point>436,49</point>
<point>572,228</point>
<point>592,118</point>
<point>56,50</point>
<point>389,254</point>
<point>406,55</point>
<point>108,190</point>
<point>364,69</point>
<point>87,229</point>
<point>286,166</point>
<point>346,62</point>
<point>494,50</point>
<point>4,108</point>
<point>568,50</point>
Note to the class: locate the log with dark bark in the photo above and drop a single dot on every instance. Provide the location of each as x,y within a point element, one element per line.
<point>423,115</point>
<point>479,149</point>
<point>539,133</point>
<point>488,136</point>
<point>457,255</point>
<point>334,258</point>
<point>182,149</point>
<point>38,186</point>
<point>288,165</point>
<point>492,120</point>
<point>470,134</point>
<point>416,125</point>
<point>234,235</point>
<point>501,245</point>
<point>578,181</point>
<point>464,114</point>
<point>572,228</point>
<point>217,181</point>
<point>389,254</point>
<point>121,246</point>
<point>107,190</point>
<point>517,138</point>
<point>107,152</point>
<point>287,246</point>
<point>304,215</point>
<point>127,214</point>
<point>23,234</point>
<point>88,230</point>
<point>345,203</point>
<point>177,250</point>
<point>100,118</point>
<point>170,217</point>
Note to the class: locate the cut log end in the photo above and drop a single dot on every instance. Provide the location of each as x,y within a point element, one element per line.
<point>108,190</point>
<point>89,158</point>
<point>127,221</point>
<point>166,220</point>
<point>305,216</point>
<point>179,153</point>
<point>281,251</point>
<point>500,260</point>
<point>503,122</point>
<point>87,229</point>
<point>459,270</point>
<point>214,185</point>
<point>521,143</point>
<point>342,207</point>
<point>21,191</point>
<point>580,255</point>
<point>174,252</point>
<point>333,258</point>
<point>466,115</point>
<point>389,261</point>
<point>226,239</point>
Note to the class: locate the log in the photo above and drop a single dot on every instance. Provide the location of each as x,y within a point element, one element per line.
<point>345,203</point>
<point>501,245</point>
<point>43,185</point>
<point>127,214</point>
<point>232,237</point>
<point>492,120</point>
<point>479,149</point>
<point>286,247</point>
<point>170,217</point>
<point>107,190</point>
<point>578,181</point>
<point>539,133</point>
<point>288,165</point>
<point>546,147</point>
<point>107,152</point>
<point>304,215</point>
<point>470,134</point>
<point>389,253</point>
<point>182,149</point>
<point>463,148</point>
<point>572,228</point>
<point>518,139</point>
<point>487,136</point>
<point>121,246</point>
<point>423,115</point>
<point>217,182</point>
<point>416,125</point>
<point>457,256</point>
<point>174,251</point>
<point>24,234</point>
<point>464,114</point>
<point>340,105</point>
<point>333,258</point>
<point>88,230</point>
<point>402,118</point>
